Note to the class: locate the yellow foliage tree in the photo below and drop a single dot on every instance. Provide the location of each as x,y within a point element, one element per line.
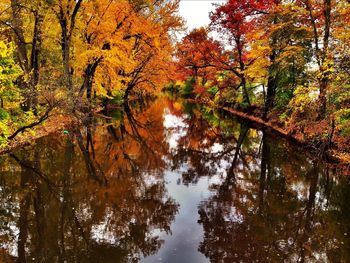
<point>125,44</point>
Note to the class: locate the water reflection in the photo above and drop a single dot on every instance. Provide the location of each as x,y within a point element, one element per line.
<point>97,196</point>
<point>284,210</point>
<point>170,181</point>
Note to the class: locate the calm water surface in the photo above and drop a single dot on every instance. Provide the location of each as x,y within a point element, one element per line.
<point>170,182</point>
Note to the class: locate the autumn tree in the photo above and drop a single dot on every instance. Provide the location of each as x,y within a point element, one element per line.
<point>125,45</point>
<point>22,24</point>
<point>236,19</point>
<point>197,56</point>
<point>318,16</point>
<point>23,15</point>
<point>280,47</point>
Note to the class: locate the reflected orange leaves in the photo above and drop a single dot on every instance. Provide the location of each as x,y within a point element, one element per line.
<point>141,145</point>
<point>101,194</point>
<point>99,191</point>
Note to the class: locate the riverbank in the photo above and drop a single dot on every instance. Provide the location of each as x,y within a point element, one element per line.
<point>332,155</point>
<point>54,124</point>
<point>60,122</point>
<point>308,138</point>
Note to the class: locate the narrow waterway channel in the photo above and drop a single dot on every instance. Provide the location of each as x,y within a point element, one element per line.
<point>170,181</point>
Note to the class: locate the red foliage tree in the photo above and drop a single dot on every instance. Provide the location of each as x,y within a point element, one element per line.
<point>197,55</point>
<point>236,19</point>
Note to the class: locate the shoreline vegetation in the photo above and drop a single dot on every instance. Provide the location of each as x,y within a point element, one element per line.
<point>74,57</point>
<point>331,156</point>
<point>52,125</point>
<point>282,64</point>
<point>60,123</point>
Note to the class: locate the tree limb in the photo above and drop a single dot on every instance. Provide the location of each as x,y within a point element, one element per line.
<point>41,119</point>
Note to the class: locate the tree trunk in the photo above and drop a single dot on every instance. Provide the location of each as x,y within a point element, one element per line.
<point>245,94</point>
<point>19,36</point>
<point>127,92</point>
<point>271,93</point>
<point>246,99</point>
<point>32,99</point>
<point>67,22</point>
<point>65,45</point>
<point>89,74</point>
<point>323,97</point>
<point>271,82</point>
<point>324,82</point>
<point>29,64</point>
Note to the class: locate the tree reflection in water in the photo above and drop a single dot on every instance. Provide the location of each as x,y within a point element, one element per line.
<point>99,194</point>
<point>270,203</point>
<point>280,211</point>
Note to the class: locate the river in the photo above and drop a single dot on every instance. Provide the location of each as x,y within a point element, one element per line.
<point>170,181</point>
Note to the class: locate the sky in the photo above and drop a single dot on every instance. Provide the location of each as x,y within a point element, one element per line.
<point>196,12</point>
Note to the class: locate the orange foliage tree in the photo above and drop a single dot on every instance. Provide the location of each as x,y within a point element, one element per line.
<point>124,45</point>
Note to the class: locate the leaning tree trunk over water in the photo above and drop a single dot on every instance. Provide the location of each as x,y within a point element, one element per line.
<point>41,119</point>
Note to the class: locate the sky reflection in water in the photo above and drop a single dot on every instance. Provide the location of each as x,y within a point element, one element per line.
<point>170,182</point>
